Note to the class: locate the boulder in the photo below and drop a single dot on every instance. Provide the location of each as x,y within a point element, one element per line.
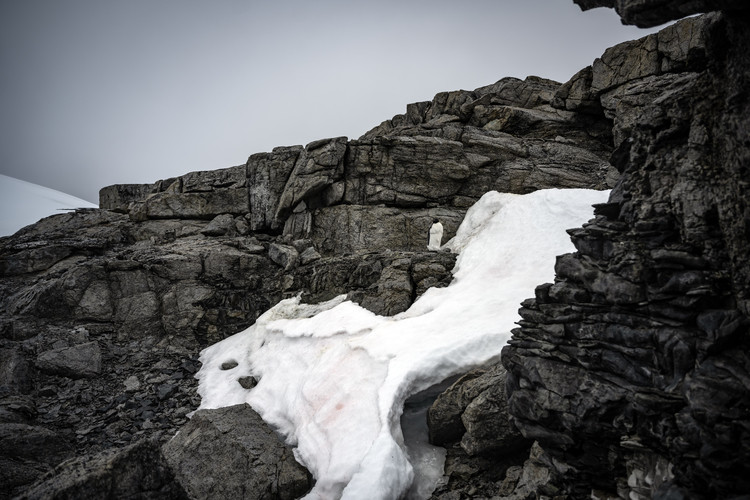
<point>78,361</point>
<point>27,452</point>
<point>284,255</point>
<point>119,196</point>
<point>220,225</point>
<point>231,453</point>
<point>136,471</point>
<point>474,411</point>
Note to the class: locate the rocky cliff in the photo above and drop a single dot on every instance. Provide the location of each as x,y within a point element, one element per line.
<point>105,311</point>
<point>631,370</point>
<point>629,373</point>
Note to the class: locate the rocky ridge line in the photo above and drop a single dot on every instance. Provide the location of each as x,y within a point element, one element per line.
<point>104,311</point>
<point>631,369</point>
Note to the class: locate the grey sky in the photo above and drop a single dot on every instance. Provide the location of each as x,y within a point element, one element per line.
<point>97,92</point>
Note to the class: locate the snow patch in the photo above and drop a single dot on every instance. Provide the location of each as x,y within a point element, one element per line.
<point>333,377</point>
<point>23,203</point>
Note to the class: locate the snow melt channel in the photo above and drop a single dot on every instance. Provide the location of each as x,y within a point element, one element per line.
<point>333,377</point>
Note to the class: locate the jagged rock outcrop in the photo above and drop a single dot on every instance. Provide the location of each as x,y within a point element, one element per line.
<point>99,350</point>
<point>231,453</point>
<point>631,370</point>
<point>223,453</point>
<point>649,13</point>
<point>136,471</point>
<point>474,411</point>
<point>104,311</point>
<point>471,420</point>
<point>382,191</point>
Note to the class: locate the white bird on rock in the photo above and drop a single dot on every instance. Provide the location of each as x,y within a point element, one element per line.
<point>435,235</point>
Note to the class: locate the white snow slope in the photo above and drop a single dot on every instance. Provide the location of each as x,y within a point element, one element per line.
<point>333,377</point>
<point>23,203</point>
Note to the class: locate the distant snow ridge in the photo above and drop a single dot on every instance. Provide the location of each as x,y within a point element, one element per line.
<point>333,377</point>
<point>23,203</point>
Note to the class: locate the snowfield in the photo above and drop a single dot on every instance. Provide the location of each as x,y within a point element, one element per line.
<point>333,377</point>
<point>23,203</point>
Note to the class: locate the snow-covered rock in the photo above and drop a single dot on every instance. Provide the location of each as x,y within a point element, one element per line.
<point>333,377</point>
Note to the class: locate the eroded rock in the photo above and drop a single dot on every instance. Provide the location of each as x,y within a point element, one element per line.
<point>136,471</point>
<point>628,370</point>
<point>247,459</point>
<point>78,361</point>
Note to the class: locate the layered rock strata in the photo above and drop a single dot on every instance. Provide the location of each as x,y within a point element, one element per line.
<point>104,311</point>
<point>381,191</point>
<point>649,13</point>
<point>226,453</point>
<point>632,370</point>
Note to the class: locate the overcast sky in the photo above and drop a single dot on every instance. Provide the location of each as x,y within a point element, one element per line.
<point>98,92</point>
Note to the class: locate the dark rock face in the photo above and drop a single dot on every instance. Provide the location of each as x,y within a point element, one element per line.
<point>136,471</point>
<point>231,453</point>
<point>82,360</point>
<point>471,420</point>
<point>103,312</point>
<point>383,190</point>
<point>99,351</point>
<point>648,13</point>
<point>474,411</point>
<point>631,370</point>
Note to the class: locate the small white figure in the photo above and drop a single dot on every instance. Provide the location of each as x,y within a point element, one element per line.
<point>435,236</point>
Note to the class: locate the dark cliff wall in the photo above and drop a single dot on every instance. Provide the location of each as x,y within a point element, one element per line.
<point>382,191</point>
<point>103,312</point>
<point>632,370</point>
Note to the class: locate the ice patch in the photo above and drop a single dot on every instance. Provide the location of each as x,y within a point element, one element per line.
<point>333,377</point>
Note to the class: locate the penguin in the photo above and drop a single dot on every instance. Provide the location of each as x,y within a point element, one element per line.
<point>435,235</point>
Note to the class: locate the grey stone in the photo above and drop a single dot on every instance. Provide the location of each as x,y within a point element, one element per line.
<point>247,382</point>
<point>220,225</point>
<point>79,361</point>
<point>532,480</point>
<point>391,171</point>
<point>474,411</point>
<point>267,177</point>
<point>33,443</point>
<point>354,228</point>
<point>320,165</point>
<point>212,180</point>
<point>309,255</point>
<point>15,372</point>
<point>132,383</point>
<point>628,358</point>
<point>192,205</point>
<point>285,256</point>
<point>137,471</point>
<point>394,290</point>
<point>28,451</point>
<point>649,13</point>
<point>489,428</point>
<point>119,196</point>
<point>444,416</point>
<point>247,459</point>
